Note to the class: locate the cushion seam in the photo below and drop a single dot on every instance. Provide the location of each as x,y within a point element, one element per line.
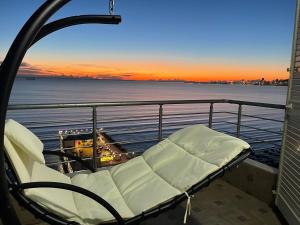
<point>192,154</point>
<point>120,192</point>
<point>164,180</point>
<point>73,194</point>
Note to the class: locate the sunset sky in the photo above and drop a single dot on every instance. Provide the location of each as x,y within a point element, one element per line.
<point>197,40</point>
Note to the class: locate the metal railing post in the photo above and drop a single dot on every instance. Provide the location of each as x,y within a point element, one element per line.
<point>160,122</point>
<point>211,111</point>
<point>95,139</point>
<point>238,127</point>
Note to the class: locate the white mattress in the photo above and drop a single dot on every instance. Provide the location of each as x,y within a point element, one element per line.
<point>162,172</point>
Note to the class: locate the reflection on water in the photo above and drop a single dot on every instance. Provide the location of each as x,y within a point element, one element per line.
<point>74,90</point>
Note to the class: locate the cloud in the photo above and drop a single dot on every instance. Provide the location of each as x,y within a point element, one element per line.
<point>25,64</point>
<point>113,77</point>
<point>29,69</point>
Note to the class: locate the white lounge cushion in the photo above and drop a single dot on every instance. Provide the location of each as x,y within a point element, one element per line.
<point>56,200</point>
<point>25,140</point>
<point>165,170</point>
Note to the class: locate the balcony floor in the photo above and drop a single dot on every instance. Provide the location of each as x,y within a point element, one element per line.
<point>220,204</point>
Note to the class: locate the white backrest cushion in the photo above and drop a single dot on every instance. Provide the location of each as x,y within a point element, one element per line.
<point>58,201</point>
<point>22,164</point>
<point>25,140</point>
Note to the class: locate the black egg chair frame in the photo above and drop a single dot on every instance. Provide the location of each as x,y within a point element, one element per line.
<point>34,30</point>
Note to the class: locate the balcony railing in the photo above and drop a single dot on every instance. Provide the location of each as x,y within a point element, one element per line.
<point>137,125</point>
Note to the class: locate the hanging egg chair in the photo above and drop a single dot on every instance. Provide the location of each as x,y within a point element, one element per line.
<point>145,186</point>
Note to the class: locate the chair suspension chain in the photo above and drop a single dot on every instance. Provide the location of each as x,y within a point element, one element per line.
<point>111,7</point>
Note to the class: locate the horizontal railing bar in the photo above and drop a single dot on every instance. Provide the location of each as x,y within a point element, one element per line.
<point>108,143</point>
<point>243,136</point>
<point>259,104</point>
<point>135,126</point>
<point>218,123</point>
<point>185,114</point>
<point>170,127</point>
<point>128,119</point>
<point>256,134</point>
<point>107,104</point>
<point>256,128</point>
<point>108,129</point>
<point>102,122</point>
<point>112,130</point>
<point>258,117</point>
<point>265,148</point>
<point>261,137</point>
<point>135,153</point>
<point>126,125</point>
<point>132,142</point>
<point>257,141</point>
<point>58,125</point>
<point>250,131</point>
<point>137,103</point>
<point>265,141</point>
<point>28,123</point>
<point>105,118</point>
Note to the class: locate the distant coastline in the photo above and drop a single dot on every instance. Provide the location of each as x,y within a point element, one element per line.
<point>258,82</point>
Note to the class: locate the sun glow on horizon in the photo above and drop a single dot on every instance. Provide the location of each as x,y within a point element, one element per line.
<point>153,70</point>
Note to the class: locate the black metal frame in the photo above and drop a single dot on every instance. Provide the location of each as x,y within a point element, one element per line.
<point>76,189</point>
<point>40,212</point>
<point>32,31</point>
<point>75,20</point>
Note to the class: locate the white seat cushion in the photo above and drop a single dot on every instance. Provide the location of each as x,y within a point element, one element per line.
<point>25,140</point>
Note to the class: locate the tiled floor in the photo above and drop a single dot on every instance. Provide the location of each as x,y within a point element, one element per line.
<point>220,204</point>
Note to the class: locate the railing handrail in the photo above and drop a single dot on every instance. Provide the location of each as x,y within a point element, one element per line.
<point>258,104</point>
<point>140,103</point>
<point>159,103</point>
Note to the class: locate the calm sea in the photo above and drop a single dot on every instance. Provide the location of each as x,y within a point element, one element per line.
<point>54,90</point>
<point>136,127</point>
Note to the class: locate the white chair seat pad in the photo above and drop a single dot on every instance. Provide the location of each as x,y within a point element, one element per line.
<point>162,172</point>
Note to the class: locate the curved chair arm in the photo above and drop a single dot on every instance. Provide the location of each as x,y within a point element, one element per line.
<point>77,189</point>
<point>75,20</point>
<point>78,159</point>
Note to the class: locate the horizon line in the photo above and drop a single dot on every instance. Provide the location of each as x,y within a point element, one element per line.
<point>157,80</point>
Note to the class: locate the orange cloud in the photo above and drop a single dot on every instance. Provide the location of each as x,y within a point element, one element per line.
<point>155,70</point>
